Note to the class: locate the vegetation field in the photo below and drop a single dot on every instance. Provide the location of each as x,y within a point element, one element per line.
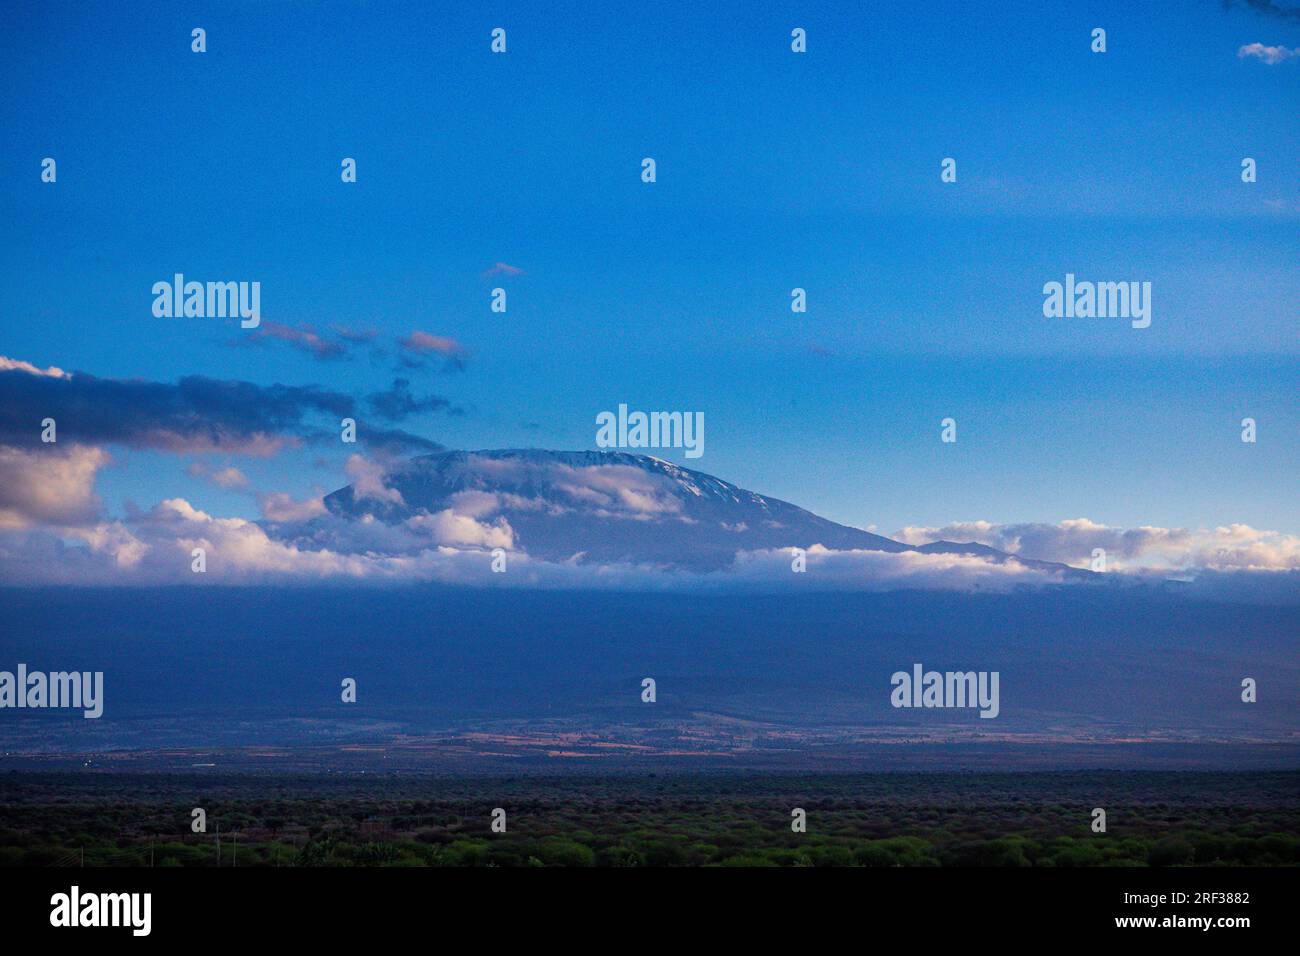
<point>892,819</point>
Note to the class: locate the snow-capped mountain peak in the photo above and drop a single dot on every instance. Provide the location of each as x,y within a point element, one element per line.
<point>600,506</point>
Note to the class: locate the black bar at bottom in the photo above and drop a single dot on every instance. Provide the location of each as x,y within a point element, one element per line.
<point>332,905</point>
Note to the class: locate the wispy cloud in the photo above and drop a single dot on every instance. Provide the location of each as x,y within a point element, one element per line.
<point>279,506</point>
<point>502,269</point>
<point>1269,54</point>
<point>15,365</point>
<point>398,402</point>
<point>303,338</point>
<point>358,336</point>
<point>230,478</point>
<point>418,346</point>
<point>368,481</point>
<point>424,342</point>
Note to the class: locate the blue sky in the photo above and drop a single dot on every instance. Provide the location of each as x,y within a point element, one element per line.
<point>775,170</point>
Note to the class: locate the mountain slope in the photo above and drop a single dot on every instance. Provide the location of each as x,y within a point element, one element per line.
<point>608,507</point>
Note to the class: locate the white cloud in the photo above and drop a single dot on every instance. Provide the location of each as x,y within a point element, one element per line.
<point>451,528</point>
<point>1071,542</point>
<point>52,486</point>
<point>476,503</point>
<point>229,478</point>
<point>889,570</point>
<point>618,490</point>
<point>114,540</point>
<point>368,481</point>
<point>1271,55</point>
<point>280,506</point>
<point>18,365</point>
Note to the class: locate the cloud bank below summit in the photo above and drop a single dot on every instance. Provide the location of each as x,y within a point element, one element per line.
<point>1230,548</point>
<point>55,529</point>
<point>54,534</point>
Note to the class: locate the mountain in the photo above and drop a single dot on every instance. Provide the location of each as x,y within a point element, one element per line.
<point>611,507</point>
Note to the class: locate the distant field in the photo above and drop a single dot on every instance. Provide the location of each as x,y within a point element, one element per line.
<point>447,675</point>
<point>883,819</point>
